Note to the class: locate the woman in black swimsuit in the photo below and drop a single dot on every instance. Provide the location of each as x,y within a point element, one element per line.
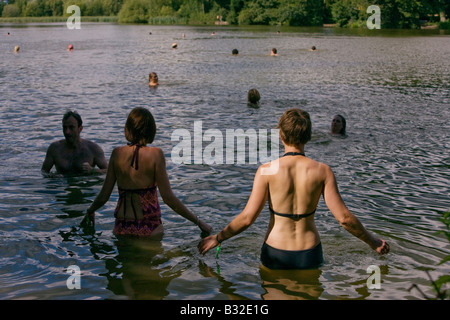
<point>293,185</point>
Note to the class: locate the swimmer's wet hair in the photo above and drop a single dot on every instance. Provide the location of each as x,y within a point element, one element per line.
<point>295,127</point>
<point>140,127</point>
<point>344,125</point>
<point>253,96</point>
<point>75,115</point>
<point>152,75</point>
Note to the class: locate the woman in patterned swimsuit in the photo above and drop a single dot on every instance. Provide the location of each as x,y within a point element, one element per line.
<point>139,171</point>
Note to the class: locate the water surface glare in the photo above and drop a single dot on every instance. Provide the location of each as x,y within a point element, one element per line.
<point>393,169</point>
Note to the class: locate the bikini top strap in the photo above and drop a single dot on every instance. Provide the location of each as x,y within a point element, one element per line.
<point>135,159</point>
<point>293,154</point>
<point>292,215</point>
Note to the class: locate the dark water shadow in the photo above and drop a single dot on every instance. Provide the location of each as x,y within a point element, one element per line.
<point>291,284</point>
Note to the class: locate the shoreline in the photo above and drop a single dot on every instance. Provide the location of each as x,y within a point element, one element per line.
<point>110,19</point>
<point>115,19</point>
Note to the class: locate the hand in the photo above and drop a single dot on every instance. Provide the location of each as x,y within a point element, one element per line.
<point>86,167</point>
<point>207,244</point>
<point>206,228</point>
<point>382,247</point>
<point>88,220</point>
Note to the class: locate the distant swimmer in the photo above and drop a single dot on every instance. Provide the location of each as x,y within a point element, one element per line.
<point>274,52</point>
<point>70,47</point>
<point>253,97</point>
<point>153,79</point>
<point>338,126</point>
<point>16,49</point>
<point>74,155</point>
<point>213,33</point>
<point>183,36</point>
<point>313,48</point>
<point>174,45</point>
<point>235,52</point>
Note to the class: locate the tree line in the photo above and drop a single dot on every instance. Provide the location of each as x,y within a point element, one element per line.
<point>344,13</point>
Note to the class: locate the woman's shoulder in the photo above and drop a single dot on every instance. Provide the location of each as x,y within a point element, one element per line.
<point>321,166</point>
<point>153,150</point>
<point>152,153</point>
<point>118,150</point>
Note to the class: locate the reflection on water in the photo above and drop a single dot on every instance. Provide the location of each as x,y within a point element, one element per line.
<point>289,285</point>
<point>391,86</point>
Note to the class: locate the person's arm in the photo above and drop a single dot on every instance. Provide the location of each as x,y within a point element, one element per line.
<point>104,194</point>
<point>345,218</point>
<point>48,163</point>
<point>243,220</point>
<point>169,198</point>
<point>100,160</point>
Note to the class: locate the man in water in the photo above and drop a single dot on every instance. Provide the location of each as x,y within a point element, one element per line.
<point>74,155</point>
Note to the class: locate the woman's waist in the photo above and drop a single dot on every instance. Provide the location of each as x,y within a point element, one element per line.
<point>293,240</point>
<point>136,188</point>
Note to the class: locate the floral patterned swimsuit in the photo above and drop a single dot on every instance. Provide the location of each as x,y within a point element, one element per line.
<point>137,211</point>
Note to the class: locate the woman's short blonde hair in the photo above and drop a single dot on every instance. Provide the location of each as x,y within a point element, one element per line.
<point>295,127</point>
<point>140,127</point>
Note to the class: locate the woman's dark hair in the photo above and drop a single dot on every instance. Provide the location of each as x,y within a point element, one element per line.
<point>295,127</point>
<point>140,127</point>
<point>253,96</point>
<point>74,114</point>
<point>152,75</point>
<point>344,124</point>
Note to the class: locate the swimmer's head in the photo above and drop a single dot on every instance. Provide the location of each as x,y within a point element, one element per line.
<point>253,96</point>
<point>338,125</point>
<point>73,114</point>
<point>16,49</point>
<point>295,127</point>
<point>174,45</point>
<point>153,79</point>
<point>235,51</point>
<point>70,47</point>
<point>140,126</point>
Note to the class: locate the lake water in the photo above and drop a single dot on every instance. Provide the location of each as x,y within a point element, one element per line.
<point>393,88</point>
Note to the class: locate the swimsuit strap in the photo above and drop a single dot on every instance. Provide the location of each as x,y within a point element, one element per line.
<point>135,159</point>
<point>292,215</point>
<point>138,190</point>
<point>294,154</point>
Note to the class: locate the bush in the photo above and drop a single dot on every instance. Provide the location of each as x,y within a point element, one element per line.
<point>10,10</point>
<point>444,25</point>
<point>134,11</point>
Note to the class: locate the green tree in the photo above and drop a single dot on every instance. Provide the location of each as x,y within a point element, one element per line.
<point>134,11</point>
<point>259,12</point>
<point>399,13</point>
<point>349,12</point>
<point>301,12</point>
<point>190,10</point>
<point>10,10</point>
<point>56,7</point>
<point>34,8</point>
